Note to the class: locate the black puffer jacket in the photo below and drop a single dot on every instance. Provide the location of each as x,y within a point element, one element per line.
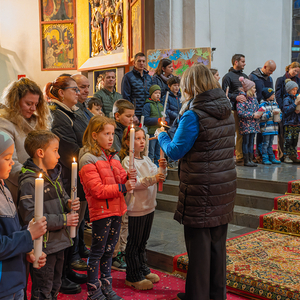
<point>231,79</point>
<point>69,127</point>
<point>207,172</point>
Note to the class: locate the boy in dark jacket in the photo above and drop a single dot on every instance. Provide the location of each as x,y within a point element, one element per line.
<point>291,121</point>
<point>14,241</point>
<point>153,112</point>
<point>42,147</point>
<point>123,111</point>
<point>173,104</point>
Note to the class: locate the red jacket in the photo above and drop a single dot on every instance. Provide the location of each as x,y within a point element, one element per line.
<point>103,180</point>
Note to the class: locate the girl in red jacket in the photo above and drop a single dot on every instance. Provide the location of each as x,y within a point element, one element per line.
<point>104,182</point>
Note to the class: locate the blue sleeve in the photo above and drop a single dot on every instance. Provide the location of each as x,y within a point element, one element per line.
<point>126,88</point>
<point>288,108</point>
<point>146,112</point>
<point>17,243</point>
<point>184,138</point>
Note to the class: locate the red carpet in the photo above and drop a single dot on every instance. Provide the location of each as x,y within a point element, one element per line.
<point>166,289</point>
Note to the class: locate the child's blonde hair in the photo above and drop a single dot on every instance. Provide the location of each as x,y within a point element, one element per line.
<point>126,136</point>
<point>96,125</point>
<point>250,93</point>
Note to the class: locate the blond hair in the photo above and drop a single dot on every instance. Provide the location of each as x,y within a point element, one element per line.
<point>196,80</point>
<point>12,95</point>
<point>126,137</point>
<point>250,93</point>
<point>96,125</point>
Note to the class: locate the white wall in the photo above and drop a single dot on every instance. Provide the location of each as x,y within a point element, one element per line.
<point>20,43</point>
<point>260,30</point>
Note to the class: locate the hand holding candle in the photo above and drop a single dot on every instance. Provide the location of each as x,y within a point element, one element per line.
<point>73,193</point>
<point>38,214</point>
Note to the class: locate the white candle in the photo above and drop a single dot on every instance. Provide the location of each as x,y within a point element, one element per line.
<point>73,193</point>
<point>142,121</point>
<point>131,149</point>
<point>147,145</point>
<point>38,214</point>
<point>166,102</point>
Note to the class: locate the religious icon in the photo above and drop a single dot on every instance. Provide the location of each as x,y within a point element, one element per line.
<point>57,10</point>
<point>58,46</point>
<point>106,25</point>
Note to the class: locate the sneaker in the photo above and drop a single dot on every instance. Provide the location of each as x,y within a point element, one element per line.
<point>118,263</point>
<point>108,292</point>
<point>287,160</point>
<point>95,291</point>
<point>153,277</point>
<point>144,284</point>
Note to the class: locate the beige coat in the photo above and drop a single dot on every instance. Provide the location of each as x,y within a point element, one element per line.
<point>20,155</point>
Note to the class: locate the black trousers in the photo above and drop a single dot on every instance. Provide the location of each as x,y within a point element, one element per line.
<point>46,281</point>
<point>135,254</point>
<point>206,276</point>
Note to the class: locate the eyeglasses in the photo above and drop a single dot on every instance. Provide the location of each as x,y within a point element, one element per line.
<point>75,89</point>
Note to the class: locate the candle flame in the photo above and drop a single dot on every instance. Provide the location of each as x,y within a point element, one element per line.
<point>74,159</point>
<point>41,175</point>
<point>132,126</point>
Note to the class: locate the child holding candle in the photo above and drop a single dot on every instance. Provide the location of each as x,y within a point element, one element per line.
<point>152,111</point>
<point>248,120</point>
<point>291,121</point>
<point>140,209</point>
<point>42,147</point>
<point>104,182</point>
<point>14,241</point>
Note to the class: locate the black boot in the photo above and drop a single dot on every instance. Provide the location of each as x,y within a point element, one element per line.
<point>69,287</point>
<point>251,157</point>
<point>246,160</point>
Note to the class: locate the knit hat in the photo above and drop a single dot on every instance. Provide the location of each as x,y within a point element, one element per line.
<point>247,84</point>
<point>267,93</point>
<point>154,88</point>
<point>289,85</point>
<point>5,141</point>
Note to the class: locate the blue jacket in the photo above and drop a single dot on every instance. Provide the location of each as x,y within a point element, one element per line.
<point>261,81</point>
<point>289,107</point>
<point>135,88</point>
<point>14,244</point>
<point>156,79</point>
<point>173,105</point>
<point>280,91</point>
<point>267,124</point>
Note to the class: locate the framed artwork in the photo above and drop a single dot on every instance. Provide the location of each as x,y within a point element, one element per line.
<point>137,28</point>
<point>98,78</point>
<point>102,33</point>
<point>181,59</point>
<point>58,35</point>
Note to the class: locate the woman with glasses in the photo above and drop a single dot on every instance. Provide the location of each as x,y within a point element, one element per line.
<point>24,109</point>
<point>69,127</point>
<point>291,71</point>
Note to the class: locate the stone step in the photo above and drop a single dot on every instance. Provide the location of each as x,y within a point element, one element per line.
<point>255,199</point>
<point>166,202</point>
<point>170,187</point>
<point>247,216</point>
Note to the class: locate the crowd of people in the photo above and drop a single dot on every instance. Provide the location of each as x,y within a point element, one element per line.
<point>43,132</point>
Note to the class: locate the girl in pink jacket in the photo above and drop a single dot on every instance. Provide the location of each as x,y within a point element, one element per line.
<point>104,182</point>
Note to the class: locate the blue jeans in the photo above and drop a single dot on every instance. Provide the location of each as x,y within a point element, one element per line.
<point>16,296</point>
<point>248,143</point>
<point>154,150</point>
<point>267,144</point>
<point>105,233</point>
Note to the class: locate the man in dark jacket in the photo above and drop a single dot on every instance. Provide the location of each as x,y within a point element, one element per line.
<point>108,94</point>
<point>262,79</point>
<point>136,84</point>
<point>231,82</point>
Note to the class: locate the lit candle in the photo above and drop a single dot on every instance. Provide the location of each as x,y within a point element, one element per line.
<point>147,145</point>
<point>73,193</point>
<point>131,149</point>
<point>142,121</point>
<point>38,214</point>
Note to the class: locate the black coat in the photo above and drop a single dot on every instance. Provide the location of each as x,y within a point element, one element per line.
<point>69,127</point>
<point>231,79</point>
<point>207,172</point>
<point>280,91</point>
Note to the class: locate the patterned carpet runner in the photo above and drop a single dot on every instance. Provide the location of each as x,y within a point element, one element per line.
<point>265,264</point>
